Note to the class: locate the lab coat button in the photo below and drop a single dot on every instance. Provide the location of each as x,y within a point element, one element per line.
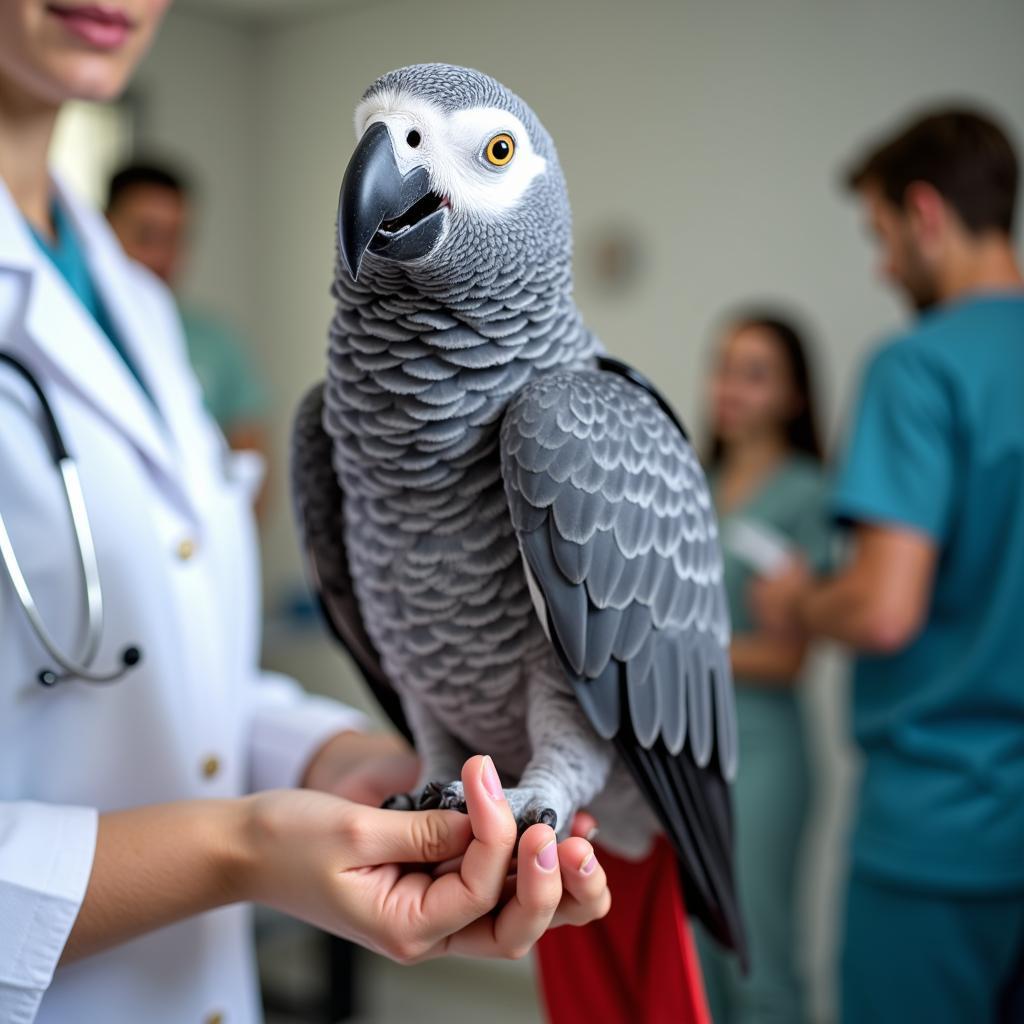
<point>186,549</point>
<point>210,767</point>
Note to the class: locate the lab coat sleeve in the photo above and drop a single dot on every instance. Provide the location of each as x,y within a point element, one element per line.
<point>46,855</point>
<point>288,726</point>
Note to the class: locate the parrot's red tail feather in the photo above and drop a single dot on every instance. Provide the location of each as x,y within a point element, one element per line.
<point>639,964</point>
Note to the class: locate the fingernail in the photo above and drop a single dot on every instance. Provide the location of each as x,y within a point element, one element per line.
<point>592,834</point>
<point>491,781</point>
<point>587,867</point>
<point>547,857</point>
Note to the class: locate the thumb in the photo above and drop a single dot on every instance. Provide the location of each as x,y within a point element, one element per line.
<point>377,836</point>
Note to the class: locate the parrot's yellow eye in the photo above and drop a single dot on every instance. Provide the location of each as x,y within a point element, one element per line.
<point>500,149</point>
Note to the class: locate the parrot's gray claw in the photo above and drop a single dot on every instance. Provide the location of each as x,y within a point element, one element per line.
<point>548,817</point>
<point>529,808</point>
<point>399,802</point>
<point>453,797</point>
<point>432,797</point>
<point>532,814</point>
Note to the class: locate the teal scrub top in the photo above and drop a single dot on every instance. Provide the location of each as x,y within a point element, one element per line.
<point>232,390</point>
<point>793,504</point>
<point>66,254</point>
<point>937,446</point>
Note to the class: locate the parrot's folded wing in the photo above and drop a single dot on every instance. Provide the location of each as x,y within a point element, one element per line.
<point>619,538</point>
<point>319,504</point>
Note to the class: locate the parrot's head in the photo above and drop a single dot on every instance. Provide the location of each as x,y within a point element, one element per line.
<point>453,180</point>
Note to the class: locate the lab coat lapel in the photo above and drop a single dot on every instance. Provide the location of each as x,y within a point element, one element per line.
<point>151,334</point>
<point>57,326</point>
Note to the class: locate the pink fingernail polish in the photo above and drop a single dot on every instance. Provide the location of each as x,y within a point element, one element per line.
<point>587,867</point>
<point>547,857</point>
<point>491,781</point>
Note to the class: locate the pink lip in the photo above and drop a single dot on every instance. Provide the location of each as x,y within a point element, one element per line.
<point>102,27</point>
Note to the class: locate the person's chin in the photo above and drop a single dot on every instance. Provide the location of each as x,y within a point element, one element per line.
<point>918,289</point>
<point>729,435</point>
<point>728,425</point>
<point>96,79</point>
<point>921,300</point>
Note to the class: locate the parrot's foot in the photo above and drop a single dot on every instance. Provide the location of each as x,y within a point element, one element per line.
<point>526,808</point>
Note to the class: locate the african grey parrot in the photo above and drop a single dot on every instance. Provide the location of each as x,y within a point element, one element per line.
<point>508,531</point>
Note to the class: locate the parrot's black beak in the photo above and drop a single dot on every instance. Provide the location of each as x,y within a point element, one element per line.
<point>393,215</point>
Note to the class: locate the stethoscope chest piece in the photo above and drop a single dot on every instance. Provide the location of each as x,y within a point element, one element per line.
<point>130,657</point>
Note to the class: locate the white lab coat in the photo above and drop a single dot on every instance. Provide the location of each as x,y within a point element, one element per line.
<point>197,717</point>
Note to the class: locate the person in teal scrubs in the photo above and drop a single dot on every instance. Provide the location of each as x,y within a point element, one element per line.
<point>770,493</point>
<point>932,601</point>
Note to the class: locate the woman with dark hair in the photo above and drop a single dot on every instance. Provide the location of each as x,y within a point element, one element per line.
<point>765,468</point>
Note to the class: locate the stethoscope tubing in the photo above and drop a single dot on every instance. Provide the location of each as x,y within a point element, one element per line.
<point>80,668</point>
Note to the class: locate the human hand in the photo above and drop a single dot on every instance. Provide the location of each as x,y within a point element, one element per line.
<point>775,600</point>
<point>339,865</point>
<point>365,768</point>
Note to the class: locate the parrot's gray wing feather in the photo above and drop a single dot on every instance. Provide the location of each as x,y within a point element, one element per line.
<point>319,503</point>
<point>619,540</point>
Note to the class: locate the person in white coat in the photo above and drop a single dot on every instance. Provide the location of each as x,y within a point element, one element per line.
<point>129,849</point>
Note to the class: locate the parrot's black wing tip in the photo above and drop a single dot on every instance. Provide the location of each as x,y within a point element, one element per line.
<point>694,809</point>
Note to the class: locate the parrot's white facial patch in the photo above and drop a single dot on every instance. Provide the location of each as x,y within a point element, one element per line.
<point>452,145</point>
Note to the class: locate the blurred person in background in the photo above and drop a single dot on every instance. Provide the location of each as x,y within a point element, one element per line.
<point>151,209</point>
<point>767,481</point>
<point>129,847</point>
<point>932,484</point>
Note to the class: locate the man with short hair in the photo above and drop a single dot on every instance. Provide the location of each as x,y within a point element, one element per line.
<point>932,599</point>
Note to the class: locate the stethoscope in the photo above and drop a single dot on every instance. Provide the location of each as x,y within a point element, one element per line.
<point>69,668</point>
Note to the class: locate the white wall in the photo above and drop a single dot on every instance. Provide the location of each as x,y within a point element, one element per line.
<point>716,130</point>
<point>195,100</point>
